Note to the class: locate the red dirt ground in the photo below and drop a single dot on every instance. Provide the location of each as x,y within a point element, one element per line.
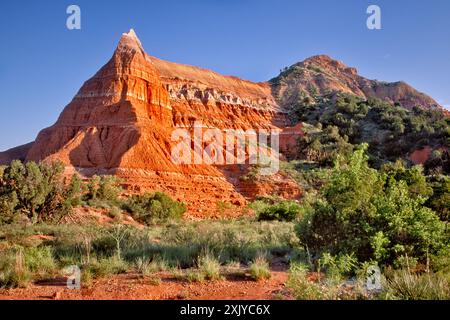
<point>132,287</point>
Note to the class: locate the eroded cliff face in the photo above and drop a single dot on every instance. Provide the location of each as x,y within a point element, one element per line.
<point>121,122</point>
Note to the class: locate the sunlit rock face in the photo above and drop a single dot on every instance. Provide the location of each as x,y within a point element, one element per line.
<point>122,119</point>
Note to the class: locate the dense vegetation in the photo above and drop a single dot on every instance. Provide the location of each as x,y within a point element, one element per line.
<point>339,121</point>
<point>376,215</point>
<point>36,193</point>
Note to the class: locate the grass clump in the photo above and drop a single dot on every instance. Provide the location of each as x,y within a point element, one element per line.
<point>405,285</point>
<point>259,269</point>
<point>209,267</point>
<point>13,270</point>
<point>194,276</point>
<point>108,266</point>
<point>146,267</point>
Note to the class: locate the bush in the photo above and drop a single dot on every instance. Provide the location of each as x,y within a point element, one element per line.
<point>338,267</point>
<point>150,208</point>
<point>283,211</point>
<point>38,192</point>
<point>440,200</point>
<point>259,269</point>
<point>302,287</point>
<point>375,215</point>
<point>8,204</point>
<point>209,266</point>
<point>40,260</point>
<point>107,266</point>
<point>103,191</point>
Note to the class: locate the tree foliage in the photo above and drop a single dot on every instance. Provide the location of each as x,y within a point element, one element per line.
<point>375,214</point>
<point>153,207</point>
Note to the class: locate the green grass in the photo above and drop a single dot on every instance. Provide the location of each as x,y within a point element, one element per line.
<point>193,252</point>
<point>201,247</point>
<point>13,270</point>
<point>108,266</point>
<point>146,267</point>
<point>259,269</point>
<point>209,267</point>
<point>40,261</point>
<point>404,285</point>
<point>302,287</point>
<point>305,288</point>
<point>194,276</point>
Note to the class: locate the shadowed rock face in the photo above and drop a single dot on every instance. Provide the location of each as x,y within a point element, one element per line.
<point>121,121</point>
<point>19,153</point>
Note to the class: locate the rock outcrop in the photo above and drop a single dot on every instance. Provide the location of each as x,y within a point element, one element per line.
<point>321,75</point>
<point>19,153</point>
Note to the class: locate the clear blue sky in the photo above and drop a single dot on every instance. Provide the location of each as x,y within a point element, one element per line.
<point>43,64</point>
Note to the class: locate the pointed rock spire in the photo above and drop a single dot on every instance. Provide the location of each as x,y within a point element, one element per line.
<point>130,40</point>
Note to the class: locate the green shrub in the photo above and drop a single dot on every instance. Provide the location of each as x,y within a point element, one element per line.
<point>154,207</point>
<point>440,200</point>
<point>40,260</point>
<point>259,205</point>
<point>8,204</point>
<point>108,266</point>
<point>283,211</point>
<point>103,191</point>
<point>75,191</point>
<point>374,215</point>
<point>338,267</point>
<point>37,190</point>
<point>302,287</point>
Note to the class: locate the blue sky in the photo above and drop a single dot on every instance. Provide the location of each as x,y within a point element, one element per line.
<point>43,64</point>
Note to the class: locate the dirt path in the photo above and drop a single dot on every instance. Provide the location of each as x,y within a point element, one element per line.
<point>131,287</point>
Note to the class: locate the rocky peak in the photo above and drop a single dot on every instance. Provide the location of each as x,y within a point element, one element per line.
<point>130,41</point>
<point>328,64</point>
<point>320,75</point>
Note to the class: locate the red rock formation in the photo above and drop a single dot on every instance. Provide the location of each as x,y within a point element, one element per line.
<point>121,121</point>
<point>321,75</point>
